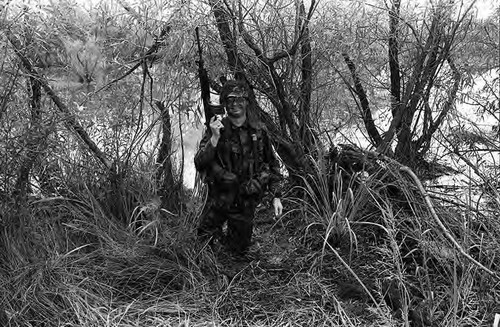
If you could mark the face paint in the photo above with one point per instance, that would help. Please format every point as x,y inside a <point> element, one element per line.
<point>236,104</point>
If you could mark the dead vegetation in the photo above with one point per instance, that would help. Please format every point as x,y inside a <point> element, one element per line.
<point>342,255</point>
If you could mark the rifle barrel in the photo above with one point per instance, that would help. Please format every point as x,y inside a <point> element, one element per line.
<point>197,30</point>
<point>204,81</point>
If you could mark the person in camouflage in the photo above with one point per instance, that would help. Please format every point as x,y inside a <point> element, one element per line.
<point>236,157</point>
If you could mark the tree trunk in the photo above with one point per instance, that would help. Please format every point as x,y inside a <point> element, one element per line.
<point>34,143</point>
<point>227,38</point>
<point>394,68</point>
<point>167,185</point>
<point>364,104</point>
<point>413,124</point>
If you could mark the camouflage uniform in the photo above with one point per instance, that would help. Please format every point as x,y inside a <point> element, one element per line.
<point>238,171</point>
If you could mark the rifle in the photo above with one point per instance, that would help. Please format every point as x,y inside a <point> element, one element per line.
<point>209,109</point>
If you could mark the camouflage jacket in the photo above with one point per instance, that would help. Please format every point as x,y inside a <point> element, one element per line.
<point>247,153</point>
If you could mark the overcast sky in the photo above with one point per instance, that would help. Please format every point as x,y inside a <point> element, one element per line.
<point>484,7</point>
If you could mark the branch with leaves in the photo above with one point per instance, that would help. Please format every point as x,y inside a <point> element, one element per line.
<point>69,118</point>
<point>143,60</point>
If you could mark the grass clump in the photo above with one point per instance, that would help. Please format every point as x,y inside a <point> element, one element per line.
<point>426,262</point>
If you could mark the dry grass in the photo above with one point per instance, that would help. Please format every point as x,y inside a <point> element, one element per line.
<point>359,256</point>
<point>398,248</point>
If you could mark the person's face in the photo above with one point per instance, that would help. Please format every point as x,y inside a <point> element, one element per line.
<point>236,105</point>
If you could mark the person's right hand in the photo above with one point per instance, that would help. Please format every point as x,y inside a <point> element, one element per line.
<point>251,187</point>
<point>215,125</point>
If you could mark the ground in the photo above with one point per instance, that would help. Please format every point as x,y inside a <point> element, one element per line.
<point>70,264</point>
<point>287,278</point>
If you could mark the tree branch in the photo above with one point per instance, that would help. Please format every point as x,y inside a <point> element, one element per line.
<point>228,42</point>
<point>70,119</point>
<point>284,109</point>
<point>305,26</point>
<point>373,133</point>
<point>425,139</point>
<point>306,79</point>
<point>394,56</point>
<point>149,54</point>
<point>443,228</point>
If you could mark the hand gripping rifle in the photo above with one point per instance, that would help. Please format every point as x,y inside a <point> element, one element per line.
<point>209,109</point>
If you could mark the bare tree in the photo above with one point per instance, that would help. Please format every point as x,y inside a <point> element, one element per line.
<point>423,88</point>
<point>275,58</point>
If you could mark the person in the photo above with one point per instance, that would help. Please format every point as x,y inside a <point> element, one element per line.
<point>237,159</point>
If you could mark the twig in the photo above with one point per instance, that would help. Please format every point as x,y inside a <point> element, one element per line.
<point>159,42</point>
<point>442,226</point>
<point>130,71</point>
<point>458,204</point>
<point>486,180</point>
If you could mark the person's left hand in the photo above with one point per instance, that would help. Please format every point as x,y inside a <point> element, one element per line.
<point>278,207</point>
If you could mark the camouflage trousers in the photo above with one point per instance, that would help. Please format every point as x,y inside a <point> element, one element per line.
<point>239,220</point>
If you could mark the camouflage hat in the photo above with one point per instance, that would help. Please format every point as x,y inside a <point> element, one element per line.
<point>234,88</point>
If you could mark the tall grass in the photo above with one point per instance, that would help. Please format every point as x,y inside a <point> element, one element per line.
<point>67,260</point>
<point>352,253</point>
<point>79,268</point>
<point>413,268</point>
